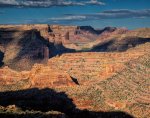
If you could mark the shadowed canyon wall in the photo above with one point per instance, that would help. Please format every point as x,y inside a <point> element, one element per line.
<point>30,44</point>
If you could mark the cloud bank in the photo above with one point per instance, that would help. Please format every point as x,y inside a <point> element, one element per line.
<point>48,3</point>
<point>104,15</point>
<point>124,13</point>
<point>109,14</point>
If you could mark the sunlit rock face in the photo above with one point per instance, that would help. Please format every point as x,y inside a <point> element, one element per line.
<point>29,44</point>
<point>95,69</point>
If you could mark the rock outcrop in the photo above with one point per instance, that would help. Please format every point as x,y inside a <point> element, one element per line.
<point>100,70</point>
<point>30,44</point>
<point>40,76</point>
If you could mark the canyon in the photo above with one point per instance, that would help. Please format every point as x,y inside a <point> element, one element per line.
<point>74,71</point>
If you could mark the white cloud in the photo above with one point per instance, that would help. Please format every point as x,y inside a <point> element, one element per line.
<point>47,3</point>
<point>95,2</point>
<point>9,2</point>
<point>68,18</point>
<point>123,13</point>
<point>110,14</point>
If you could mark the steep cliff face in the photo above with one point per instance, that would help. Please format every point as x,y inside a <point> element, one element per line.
<point>118,40</point>
<point>116,81</point>
<point>23,48</point>
<point>108,72</point>
<point>30,44</point>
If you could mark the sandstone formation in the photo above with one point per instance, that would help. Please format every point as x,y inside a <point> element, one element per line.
<point>40,76</point>
<point>30,44</point>
<point>76,71</point>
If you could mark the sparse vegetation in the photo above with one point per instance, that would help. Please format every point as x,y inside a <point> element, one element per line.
<point>96,81</point>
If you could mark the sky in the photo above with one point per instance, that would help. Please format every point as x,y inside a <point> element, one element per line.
<point>131,14</point>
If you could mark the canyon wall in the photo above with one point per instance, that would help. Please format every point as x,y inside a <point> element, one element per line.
<point>29,44</point>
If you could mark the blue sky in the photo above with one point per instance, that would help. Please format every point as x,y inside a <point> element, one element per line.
<point>97,13</point>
